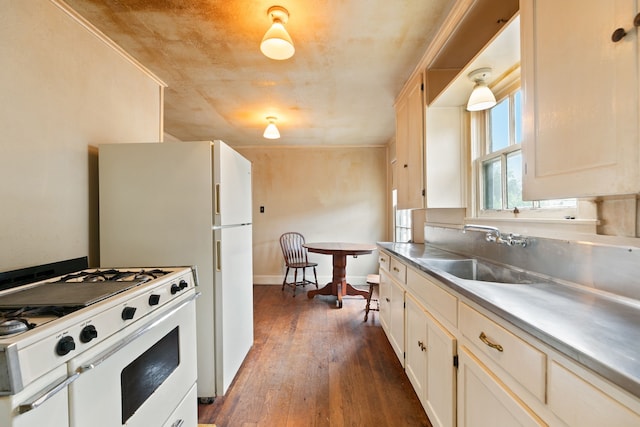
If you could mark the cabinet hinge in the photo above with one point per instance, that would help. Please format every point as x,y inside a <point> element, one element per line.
<point>423,193</point>
<point>455,361</point>
<point>422,87</point>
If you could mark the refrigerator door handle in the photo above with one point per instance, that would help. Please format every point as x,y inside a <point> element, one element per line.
<point>218,256</point>
<point>217,209</point>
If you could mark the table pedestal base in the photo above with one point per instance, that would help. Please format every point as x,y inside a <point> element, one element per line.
<point>338,286</point>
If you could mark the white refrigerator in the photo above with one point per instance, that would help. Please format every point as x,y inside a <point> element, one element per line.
<point>187,203</point>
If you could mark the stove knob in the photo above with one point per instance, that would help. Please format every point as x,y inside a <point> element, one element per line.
<point>128,313</point>
<point>65,345</point>
<point>88,333</point>
<point>175,288</point>
<point>183,284</point>
<point>154,299</point>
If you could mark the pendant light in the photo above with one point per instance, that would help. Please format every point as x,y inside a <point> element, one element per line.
<point>276,43</point>
<point>481,96</point>
<point>271,131</point>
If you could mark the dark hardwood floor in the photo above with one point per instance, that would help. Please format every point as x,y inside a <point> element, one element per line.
<point>315,365</point>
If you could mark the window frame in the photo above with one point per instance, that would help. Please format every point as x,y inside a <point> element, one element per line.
<point>480,144</point>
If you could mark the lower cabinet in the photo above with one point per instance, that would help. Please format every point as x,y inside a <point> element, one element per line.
<point>430,351</point>
<point>397,320</point>
<point>581,402</point>
<point>484,401</point>
<point>392,312</point>
<point>416,354</point>
<point>384,298</point>
<point>503,377</point>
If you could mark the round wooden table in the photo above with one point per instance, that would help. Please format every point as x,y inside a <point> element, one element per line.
<point>338,285</point>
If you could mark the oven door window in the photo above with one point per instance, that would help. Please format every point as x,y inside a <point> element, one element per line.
<point>145,374</point>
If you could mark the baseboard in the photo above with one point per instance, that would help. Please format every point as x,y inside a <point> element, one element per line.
<point>322,280</point>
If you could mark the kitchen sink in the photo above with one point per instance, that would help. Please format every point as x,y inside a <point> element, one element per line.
<point>473,269</point>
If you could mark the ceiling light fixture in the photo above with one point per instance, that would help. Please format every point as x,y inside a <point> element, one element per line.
<point>276,43</point>
<point>271,131</point>
<point>481,96</point>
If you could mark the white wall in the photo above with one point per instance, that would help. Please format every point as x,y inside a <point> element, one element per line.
<point>63,91</point>
<point>325,193</point>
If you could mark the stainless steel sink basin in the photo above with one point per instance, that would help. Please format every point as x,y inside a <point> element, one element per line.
<point>473,269</point>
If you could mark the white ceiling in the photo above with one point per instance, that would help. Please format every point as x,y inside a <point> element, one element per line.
<point>352,58</point>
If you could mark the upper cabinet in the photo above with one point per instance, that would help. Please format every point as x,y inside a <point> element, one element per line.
<point>432,126</point>
<point>480,34</point>
<point>409,145</point>
<point>581,97</point>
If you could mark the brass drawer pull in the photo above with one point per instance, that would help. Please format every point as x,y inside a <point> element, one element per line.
<point>422,346</point>
<point>396,269</point>
<point>485,340</point>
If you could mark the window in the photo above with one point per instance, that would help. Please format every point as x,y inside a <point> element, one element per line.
<point>402,221</point>
<point>499,164</point>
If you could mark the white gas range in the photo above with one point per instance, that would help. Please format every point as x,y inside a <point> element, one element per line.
<point>100,347</point>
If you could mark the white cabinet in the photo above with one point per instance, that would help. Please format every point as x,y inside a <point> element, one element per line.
<point>385,300</point>
<point>430,351</point>
<point>580,98</point>
<point>484,401</point>
<point>578,401</point>
<point>441,375</point>
<point>505,351</point>
<point>392,312</point>
<point>416,348</point>
<point>396,319</point>
<point>446,157</point>
<point>409,145</point>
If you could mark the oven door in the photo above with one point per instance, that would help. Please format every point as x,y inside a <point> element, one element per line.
<point>138,377</point>
<point>41,403</point>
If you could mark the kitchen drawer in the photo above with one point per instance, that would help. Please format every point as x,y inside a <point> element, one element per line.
<point>580,403</point>
<point>515,356</point>
<point>383,260</point>
<point>398,270</point>
<point>439,302</point>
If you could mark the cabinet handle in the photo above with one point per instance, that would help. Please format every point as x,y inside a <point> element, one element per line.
<point>406,165</point>
<point>485,340</point>
<point>396,269</point>
<point>620,33</point>
<point>387,298</point>
<point>422,346</point>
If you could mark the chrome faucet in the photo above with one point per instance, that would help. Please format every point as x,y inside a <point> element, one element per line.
<point>495,236</point>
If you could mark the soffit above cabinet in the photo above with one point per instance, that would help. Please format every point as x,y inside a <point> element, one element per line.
<point>501,54</point>
<point>475,30</point>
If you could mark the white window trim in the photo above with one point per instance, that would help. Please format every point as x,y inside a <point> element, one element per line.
<point>585,211</point>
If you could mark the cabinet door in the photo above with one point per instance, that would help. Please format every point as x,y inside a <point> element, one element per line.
<point>441,375</point>
<point>578,402</point>
<point>483,401</point>
<point>385,302</point>
<point>580,98</point>
<point>409,146</point>
<point>416,348</point>
<point>446,158</point>
<point>396,337</point>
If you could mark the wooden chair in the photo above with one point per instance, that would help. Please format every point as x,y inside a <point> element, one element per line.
<point>373,280</point>
<point>295,256</point>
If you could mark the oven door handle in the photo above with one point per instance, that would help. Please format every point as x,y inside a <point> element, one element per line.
<point>48,394</point>
<point>135,335</point>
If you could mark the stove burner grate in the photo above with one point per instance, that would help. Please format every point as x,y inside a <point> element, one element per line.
<point>14,326</point>
<point>113,275</point>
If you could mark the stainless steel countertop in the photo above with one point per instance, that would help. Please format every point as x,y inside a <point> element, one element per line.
<point>595,329</point>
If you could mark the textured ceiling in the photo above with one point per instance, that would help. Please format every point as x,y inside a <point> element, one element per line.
<point>352,58</point>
